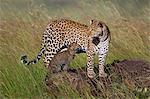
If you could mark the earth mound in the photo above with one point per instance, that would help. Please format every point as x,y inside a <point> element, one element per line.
<point>131,73</point>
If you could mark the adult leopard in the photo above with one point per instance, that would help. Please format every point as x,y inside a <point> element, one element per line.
<point>93,39</point>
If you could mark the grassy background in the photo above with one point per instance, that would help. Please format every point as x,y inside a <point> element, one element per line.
<point>22,23</point>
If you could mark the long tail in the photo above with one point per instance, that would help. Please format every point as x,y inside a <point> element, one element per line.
<point>25,61</point>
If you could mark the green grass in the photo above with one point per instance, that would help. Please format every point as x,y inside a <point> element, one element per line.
<point>23,22</point>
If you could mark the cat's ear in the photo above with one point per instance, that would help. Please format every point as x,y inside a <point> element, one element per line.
<point>91,22</point>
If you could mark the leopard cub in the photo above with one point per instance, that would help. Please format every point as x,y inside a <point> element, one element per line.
<point>62,59</point>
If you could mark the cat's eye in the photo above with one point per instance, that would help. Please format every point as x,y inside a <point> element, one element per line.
<point>99,24</point>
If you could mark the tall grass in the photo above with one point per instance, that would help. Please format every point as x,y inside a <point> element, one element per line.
<point>22,24</point>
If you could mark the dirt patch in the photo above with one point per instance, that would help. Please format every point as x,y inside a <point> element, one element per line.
<point>135,71</point>
<point>131,73</point>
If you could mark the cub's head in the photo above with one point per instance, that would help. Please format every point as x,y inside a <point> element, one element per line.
<point>99,31</point>
<point>72,48</point>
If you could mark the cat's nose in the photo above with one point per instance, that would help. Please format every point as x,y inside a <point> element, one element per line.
<point>80,50</point>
